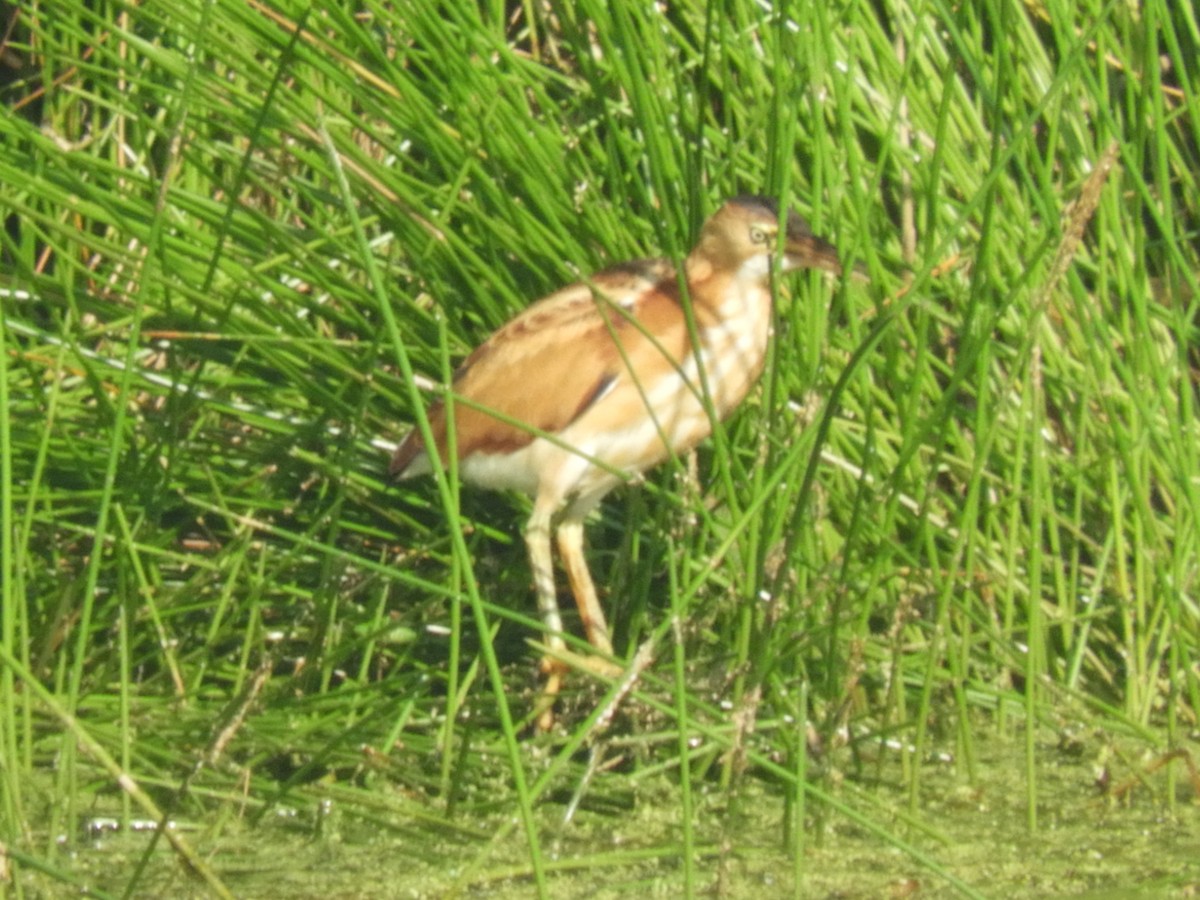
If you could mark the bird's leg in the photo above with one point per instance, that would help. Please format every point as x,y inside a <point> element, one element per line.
<point>537,539</point>
<point>570,545</point>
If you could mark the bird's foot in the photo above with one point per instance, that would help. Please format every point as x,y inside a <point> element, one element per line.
<point>556,663</point>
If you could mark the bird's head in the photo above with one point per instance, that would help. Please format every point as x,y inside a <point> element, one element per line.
<point>741,238</point>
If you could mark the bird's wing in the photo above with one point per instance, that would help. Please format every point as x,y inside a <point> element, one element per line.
<point>545,367</point>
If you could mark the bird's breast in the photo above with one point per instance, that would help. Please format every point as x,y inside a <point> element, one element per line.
<point>663,404</point>
<point>733,343</point>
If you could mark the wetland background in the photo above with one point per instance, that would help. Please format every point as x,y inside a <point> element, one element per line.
<point>921,619</point>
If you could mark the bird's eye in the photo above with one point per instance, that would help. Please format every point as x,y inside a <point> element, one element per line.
<point>758,234</point>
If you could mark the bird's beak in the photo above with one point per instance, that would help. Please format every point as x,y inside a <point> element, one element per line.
<point>804,250</point>
<point>807,251</point>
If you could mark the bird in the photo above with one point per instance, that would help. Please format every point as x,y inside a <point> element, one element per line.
<point>601,380</point>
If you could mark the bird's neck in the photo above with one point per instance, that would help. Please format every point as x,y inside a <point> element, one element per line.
<point>726,290</point>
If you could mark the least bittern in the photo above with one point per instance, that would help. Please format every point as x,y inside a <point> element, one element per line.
<point>606,378</point>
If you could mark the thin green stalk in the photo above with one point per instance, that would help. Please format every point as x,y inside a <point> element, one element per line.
<point>683,730</point>
<point>10,706</point>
